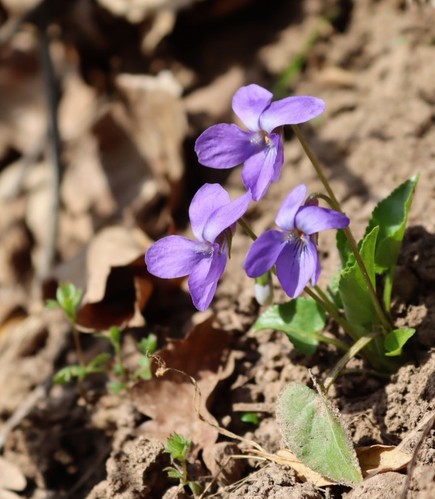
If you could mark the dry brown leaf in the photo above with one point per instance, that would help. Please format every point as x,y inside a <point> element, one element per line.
<point>286,457</point>
<point>373,460</point>
<point>170,400</point>
<point>11,476</point>
<point>119,285</point>
<point>154,118</point>
<point>23,117</point>
<point>381,458</point>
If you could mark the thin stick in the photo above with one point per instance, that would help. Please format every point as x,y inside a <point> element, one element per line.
<point>49,251</point>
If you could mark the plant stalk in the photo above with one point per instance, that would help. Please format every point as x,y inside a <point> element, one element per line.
<point>348,233</point>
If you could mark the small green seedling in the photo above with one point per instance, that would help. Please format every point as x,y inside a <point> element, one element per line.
<point>147,346</point>
<point>250,417</point>
<point>178,447</point>
<point>97,365</point>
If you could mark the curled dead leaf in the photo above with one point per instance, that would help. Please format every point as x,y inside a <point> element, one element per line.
<point>119,285</point>
<point>381,458</point>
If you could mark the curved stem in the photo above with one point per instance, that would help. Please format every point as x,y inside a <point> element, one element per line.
<point>333,312</point>
<point>353,350</point>
<point>341,345</point>
<point>347,232</point>
<point>245,226</point>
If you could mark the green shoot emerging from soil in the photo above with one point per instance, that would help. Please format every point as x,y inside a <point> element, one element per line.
<point>178,448</point>
<point>112,364</point>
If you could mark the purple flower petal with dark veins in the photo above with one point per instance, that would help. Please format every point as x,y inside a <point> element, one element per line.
<point>293,249</point>
<point>224,146</point>
<point>259,148</point>
<point>212,215</point>
<point>295,266</point>
<point>264,252</point>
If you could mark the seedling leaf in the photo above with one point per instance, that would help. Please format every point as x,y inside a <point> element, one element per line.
<point>300,319</point>
<point>68,297</point>
<point>391,215</point>
<point>314,432</point>
<point>178,446</point>
<point>356,300</point>
<point>396,339</point>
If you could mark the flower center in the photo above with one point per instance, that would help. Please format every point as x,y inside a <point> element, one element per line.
<point>295,236</point>
<point>261,139</point>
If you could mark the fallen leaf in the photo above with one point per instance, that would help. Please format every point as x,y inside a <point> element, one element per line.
<point>155,119</point>
<point>381,458</point>
<point>170,400</point>
<point>119,284</point>
<point>286,457</point>
<point>373,460</point>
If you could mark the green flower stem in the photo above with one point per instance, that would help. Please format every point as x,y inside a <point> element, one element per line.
<point>317,167</point>
<point>325,297</point>
<point>341,345</point>
<point>332,310</point>
<point>349,236</point>
<point>245,226</point>
<point>352,351</point>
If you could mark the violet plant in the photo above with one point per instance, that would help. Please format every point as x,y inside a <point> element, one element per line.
<point>358,298</point>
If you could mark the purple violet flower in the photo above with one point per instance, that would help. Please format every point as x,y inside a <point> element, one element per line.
<point>212,216</point>
<point>260,148</point>
<point>293,248</point>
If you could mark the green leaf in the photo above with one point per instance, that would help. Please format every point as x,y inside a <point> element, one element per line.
<point>344,249</point>
<point>144,371</point>
<point>173,472</point>
<point>195,487</point>
<point>98,363</point>
<point>178,446</point>
<point>148,345</point>
<point>115,338</point>
<point>300,319</point>
<point>116,387</point>
<point>68,373</point>
<point>313,431</point>
<point>391,215</point>
<point>355,297</point>
<point>250,417</point>
<point>68,297</point>
<point>396,339</point>
<point>52,304</point>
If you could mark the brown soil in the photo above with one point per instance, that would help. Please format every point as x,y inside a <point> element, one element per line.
<point>373,65</point>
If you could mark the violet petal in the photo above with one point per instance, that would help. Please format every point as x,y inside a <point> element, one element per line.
<point>312,219</point>
<point>291,111</point>
<point>174,256</point>
<point>248,104</point>
<point>258,171</point>
<point>204,279</point>
<point>205,202</point>
<point>264,252</point>
<point>295,266</point>
<point>292,203</point>
<point>224,146</point>
<point>224,216</point>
